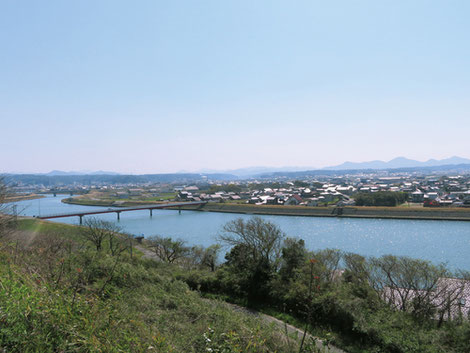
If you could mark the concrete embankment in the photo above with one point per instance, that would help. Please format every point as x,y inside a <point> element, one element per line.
<point>451,214</point>
<point>448,214</point>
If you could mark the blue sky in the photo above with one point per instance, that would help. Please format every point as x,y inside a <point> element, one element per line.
<point>162,86</point>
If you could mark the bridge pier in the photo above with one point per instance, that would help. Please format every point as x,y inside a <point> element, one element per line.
<point>80,215</point>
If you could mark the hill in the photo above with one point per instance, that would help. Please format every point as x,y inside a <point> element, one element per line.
<point>58,294</point>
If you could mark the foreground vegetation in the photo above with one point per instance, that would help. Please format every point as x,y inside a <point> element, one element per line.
<point>60,292</point>
<point>89,289</point>
<point>340,294</point>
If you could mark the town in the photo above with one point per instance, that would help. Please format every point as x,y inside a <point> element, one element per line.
<point>360,189</point>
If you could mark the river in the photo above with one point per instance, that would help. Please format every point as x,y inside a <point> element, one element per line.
<point>437,241</point>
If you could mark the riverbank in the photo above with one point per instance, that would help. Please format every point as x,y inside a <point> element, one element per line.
<point>414,213</point>
<point>346,212</point>
<point>17,198</point>
<point>108,203</point>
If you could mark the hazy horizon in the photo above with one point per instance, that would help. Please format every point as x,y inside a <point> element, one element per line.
<point>158,87</point>
<point>214,170</point>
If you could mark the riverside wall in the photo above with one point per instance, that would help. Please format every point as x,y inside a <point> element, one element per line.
<point>453,214</point>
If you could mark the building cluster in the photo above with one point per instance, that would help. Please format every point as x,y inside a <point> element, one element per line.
<point>287,195</point>
<point>428,191</point>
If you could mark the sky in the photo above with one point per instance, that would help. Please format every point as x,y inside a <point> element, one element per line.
<point>165,86</point>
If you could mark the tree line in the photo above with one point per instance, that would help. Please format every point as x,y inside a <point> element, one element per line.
<point>381,198</point>
<point>390,303</point>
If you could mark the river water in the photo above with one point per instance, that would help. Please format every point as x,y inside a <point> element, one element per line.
<point>437,241</point>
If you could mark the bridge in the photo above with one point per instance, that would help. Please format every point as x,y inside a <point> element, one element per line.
<point>125,209</point>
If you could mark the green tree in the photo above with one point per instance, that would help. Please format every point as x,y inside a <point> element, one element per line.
<point>255,254</point>
<point>300,183</point>
<point>293,257</point>
<point>381,198</point>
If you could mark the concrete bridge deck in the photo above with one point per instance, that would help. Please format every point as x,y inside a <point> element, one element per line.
<point>123,209</point>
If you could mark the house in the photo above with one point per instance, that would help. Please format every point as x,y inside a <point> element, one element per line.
<point>122,195</point>
<point>307,192</point>
<point>417,196</point>
<point>327,196</point>
<point>313,201</point>
<point>346,202</point>
<point>184,195</point>
<point>272,200</point>
<point>135,192</point>
<point>346,190</point>
<point>254,200</point>
<point>466,197</point>
<point>293,200</point>
<point>215,197</point>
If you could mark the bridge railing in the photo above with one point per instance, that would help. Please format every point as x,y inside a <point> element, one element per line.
<point>123,209</point>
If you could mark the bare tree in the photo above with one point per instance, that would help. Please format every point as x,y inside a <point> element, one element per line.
<point>205,257</point>
<point>7,219</point>
<point>98,231</point>
<point>329,260</point>
<point>416,286</point>
<point>167,249</point>
<point>262,238</point>
<point>255,256</point>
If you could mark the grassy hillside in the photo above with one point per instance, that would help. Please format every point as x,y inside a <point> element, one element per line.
<point>66,288</point>
<point>59,294</point>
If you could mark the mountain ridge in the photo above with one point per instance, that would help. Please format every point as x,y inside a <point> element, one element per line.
<point>399,162</point>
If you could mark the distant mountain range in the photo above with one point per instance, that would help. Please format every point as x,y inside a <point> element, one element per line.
<point>396,163</point>
<point>399,162</point>
<point>242,173</point>
<point>84,172</point>
<point>251,171</point>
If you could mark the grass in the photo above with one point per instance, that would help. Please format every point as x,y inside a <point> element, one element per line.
<point>57,293</point>
<point>41,227</point>
<point>163,196</point>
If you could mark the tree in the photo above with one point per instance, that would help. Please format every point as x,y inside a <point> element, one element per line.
<point>7,220</point>
<point>206,257</point>
<point>414,286</point>
<point>255,255</point>
<point>300,183</point>
<point>167,249</point>
<point>356,268</point>
<point>381,198</point>
<point>328,261</point>
<point>293,257</point>
<point>262,238</point>
<point>97,231</point>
